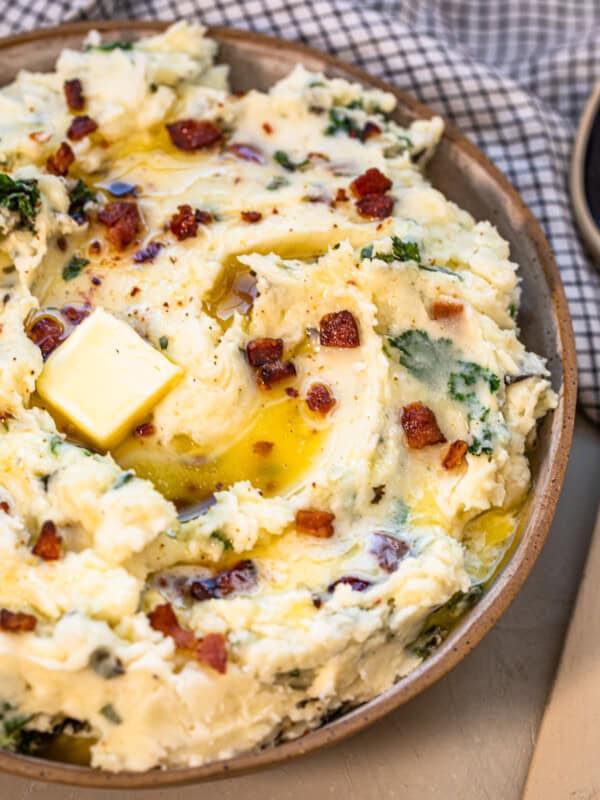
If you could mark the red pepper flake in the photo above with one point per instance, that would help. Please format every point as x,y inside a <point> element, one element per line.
<point>212,650</point>
<point>183,223</point>
<point>251,216</point>
<point>267,128</point>
<point>263,448</point>
<point>388,550</point>
<point>455,456</point>
<point>48,544</point>
<point>75,314</point>
<point>58,163</point>
<point>357,584</point>
<point>446,309</point>
<point>339,329</point>
<point>74,94</point>
<point>376,206</point>
<point>319,398</point>
<point>420,426</point>
<point>369,130</point>
<point>81,127</point>
<point>148,253</point>
<point>241,577</point>
<point>246,152</point>
<point>291,392</point>
<point>370,182</point>
<point>123,222</point>
<point>315,523</point>
<point>274,372</point>
<point>264,351</point>
<point>145,429</point>
<point>193,134</point>
<point>16,621</point>
<point>47,332</point>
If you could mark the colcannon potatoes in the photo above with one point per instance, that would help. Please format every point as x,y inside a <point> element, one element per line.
<point>264,409</point>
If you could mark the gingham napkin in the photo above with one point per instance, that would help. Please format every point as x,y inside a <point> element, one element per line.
<point>512,74</point>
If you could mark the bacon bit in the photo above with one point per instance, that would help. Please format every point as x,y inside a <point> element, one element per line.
<point>378,206</point>
<point>274,372</point>
<point>339,329</point>
<point>96,281</point>
<point>145,429</point>
<point>246,152</point>
<point>4,506</point>
<point>75,314</point>
<point>212,651</point>
<point>251,216</point>
<point>264,351</point>
<point>262,448</point>
<point>357,584</point>
<point>370,129</point>
<point>267,128</point>
<point>134,291</point>
<point>291,392</point>
<point>48,544</point>
<point>164,619</point>
<point>444,309</point>
<point>59,162</point>
<point>16,622</point>
<point>319,399</point>
<point>242,577</point>
<point>370,182</point>
<point>148,253</point>
<point>455,455</point>
<point>74,94</point>
<point>123,222</point>
<point>184,224</point>
<point>315,523</point>
<point>81,127</point>
<point>40,137</point>
<point>341,196</point>
<point>420,426</point>
<point>193,134</point>
<point>47,332</point>
<point>388,551</point>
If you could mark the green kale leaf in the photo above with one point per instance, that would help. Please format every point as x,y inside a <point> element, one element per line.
<point>20,196</point>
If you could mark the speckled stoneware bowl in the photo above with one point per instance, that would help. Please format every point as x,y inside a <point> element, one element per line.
<point>462,173</point>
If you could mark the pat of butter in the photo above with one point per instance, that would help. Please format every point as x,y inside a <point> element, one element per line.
<point>105,378</point>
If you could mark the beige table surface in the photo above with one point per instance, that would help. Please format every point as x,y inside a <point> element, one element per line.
<point>471,736</point>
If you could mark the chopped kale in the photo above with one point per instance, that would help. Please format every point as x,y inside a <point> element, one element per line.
<point>512,310</point>
<point>282,158</point>
<point>423,356</point>
<point>341,123</point>
<point>277,182</point>
<point>445,270</point>
<point>111,714</point>
<point>11,726</point>
<point>54,443</point>
<point>358,103</point>
<point>21,197</point>
<point>108,47</point>
<point>441,621</point>
<point>482,446</point>
<point>220,537</point>
<point>461,384</point>
<point>74,267</point>
<point>428,641</point>
<point>106,664</point>
<point>367,252</point>
<point>79,195</point>
<point>163,342</point>
<point>123,478</point>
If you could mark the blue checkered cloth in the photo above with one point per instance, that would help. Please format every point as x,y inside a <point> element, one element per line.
<point>513,75</point>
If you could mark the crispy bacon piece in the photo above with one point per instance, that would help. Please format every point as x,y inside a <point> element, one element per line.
<point>148,253</point>
<point>123,222</point>
<point>145,429</point>
<point>16,621</point>
<point>388,551</point>
<point>264,351</point>
<point>370,182</point>
<point>369,130</point>
<point>212,650</point>
<point>193,134</point>
<point>274,372</point>
<point>251,216</point>
<point>47,332</point>
<point>319,399</point>
<point>58,163</point>
<point>420,426</point>
<point>81,127</point>
<point>75,314</point>
<point>184,224</point>
<point>246,152</point>
<point>74,94</point>
<point>378,206</point>
<point>4,506</point>
<point>315,523</point>
<point>339,329</point>
<point>446,309</point>
<point>48,544</point>
<point>242,577</point>
<point>164,619</point>
<point>262,448</point>
<point>455,455</point>
<point>291,392</point>
<point>357,584</point>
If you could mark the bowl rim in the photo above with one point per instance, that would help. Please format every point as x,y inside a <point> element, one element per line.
<point>496,600</point>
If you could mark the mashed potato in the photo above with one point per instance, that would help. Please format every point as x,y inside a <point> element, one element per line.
<point>346,442</point>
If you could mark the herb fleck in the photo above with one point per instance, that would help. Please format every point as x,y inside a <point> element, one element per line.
<point>111,714</point>
<point>20,196</point>
<point>285,161</point>
<point>277,182</point>
<point>106,664</point>
<point>223,539</point>
<point>163,342</point>
<point>123,478</point>
<point>74,267</point>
